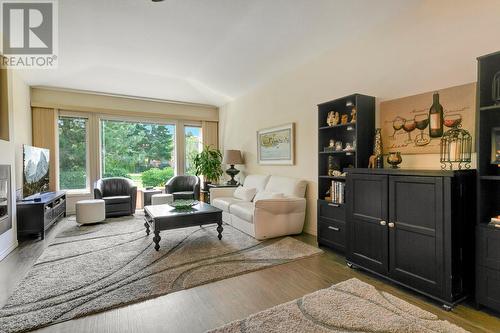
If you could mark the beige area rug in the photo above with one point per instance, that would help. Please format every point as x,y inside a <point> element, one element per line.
<point>88,269</point>
<point>349,306</point>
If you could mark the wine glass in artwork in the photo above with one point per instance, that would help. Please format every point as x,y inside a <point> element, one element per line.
<point>397,124</point>
<point>452,120</point>
<point>409,126</point>
<point>421,122</point>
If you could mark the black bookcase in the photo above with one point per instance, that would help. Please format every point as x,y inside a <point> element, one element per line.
<point>331,216</point>
<point>488,186</point>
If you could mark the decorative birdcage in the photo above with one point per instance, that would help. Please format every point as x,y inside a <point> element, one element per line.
<point>456,149</point>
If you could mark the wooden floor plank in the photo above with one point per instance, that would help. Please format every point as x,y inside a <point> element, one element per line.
<point>214,304</point>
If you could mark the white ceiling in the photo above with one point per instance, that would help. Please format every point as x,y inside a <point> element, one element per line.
<point>201,51</point>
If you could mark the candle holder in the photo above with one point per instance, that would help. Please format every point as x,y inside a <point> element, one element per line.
<point>456,148</point>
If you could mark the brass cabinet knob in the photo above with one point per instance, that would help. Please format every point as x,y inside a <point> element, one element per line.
<point>383,223</point>
<point>391,224</point>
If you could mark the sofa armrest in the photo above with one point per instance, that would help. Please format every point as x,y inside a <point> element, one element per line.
<point>219,192</point>
<point>98,192</point>
<point>282,206</point>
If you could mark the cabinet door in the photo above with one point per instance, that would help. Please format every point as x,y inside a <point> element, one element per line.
<point>416,232</point>
<point>366,221</point>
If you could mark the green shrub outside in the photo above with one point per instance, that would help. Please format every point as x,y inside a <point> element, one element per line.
<point>116,172</point>
<point>156,177</point>
<point>70,180</point>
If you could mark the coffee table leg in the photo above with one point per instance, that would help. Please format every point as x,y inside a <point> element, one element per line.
<point>146,224</point>
<point>219,229</point>
<point>157,239</point>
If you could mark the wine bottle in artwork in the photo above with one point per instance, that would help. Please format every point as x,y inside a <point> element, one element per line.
<point>436,118</point>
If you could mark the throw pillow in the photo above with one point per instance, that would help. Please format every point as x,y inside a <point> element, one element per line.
<point>245,193</point>
<point>263,195</point>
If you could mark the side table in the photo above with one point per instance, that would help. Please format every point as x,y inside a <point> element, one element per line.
<point>206,192</point>
<point>147,194</point>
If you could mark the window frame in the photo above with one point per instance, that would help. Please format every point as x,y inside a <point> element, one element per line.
<point>190,124</point>
<point>143,120</point>
<point>88,173</point>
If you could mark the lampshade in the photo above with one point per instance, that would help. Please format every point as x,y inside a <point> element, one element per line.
<point>232,157</point>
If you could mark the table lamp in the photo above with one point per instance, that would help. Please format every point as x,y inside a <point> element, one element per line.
<point>232,157</point>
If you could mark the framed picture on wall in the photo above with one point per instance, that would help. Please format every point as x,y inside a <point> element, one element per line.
<point>276,145</point>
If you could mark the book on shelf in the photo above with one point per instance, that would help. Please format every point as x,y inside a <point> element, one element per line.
<point>337,192</point>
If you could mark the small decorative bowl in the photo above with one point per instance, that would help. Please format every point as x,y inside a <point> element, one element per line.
<point>394,159</point>
<point>183,204</point>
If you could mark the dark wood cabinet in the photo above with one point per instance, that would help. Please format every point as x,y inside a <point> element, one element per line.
<point>488,186</point>
<point>416,245</point>
<point>331,225</point>
<point>359,134</point>
<point>34,217</point>
<point>367,214</point>
<point>488,266</point>
<point>412,228</point>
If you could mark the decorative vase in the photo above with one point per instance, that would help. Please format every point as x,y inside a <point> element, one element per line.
<point>377,149</point>
<point>394,159</point>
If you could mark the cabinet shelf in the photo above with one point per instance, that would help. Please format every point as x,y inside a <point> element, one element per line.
<point>332,177</point>
<point>490,107</point>
<point>489,177</point>
<point>346,126</point>
<point>347,152</point>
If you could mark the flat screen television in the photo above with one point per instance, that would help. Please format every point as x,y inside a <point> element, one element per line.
<point>36,170</point>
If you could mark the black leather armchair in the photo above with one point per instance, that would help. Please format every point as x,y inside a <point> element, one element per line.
<point>184,187</point>
<point>119,195</point>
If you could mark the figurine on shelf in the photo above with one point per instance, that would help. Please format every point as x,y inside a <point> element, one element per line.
<point>333,166</point>
<point>344,119</point>
<point>353,115</point>
<point>348,146</point>
<point>333,118</point>
<point>330,165</point>
<point>336,173</point>
<point>338,146</point>
<point>331,146</point>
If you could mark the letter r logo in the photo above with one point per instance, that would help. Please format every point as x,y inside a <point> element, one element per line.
<point>27,27</point>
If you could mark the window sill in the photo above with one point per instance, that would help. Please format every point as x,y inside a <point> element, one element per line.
<point>78,193</point>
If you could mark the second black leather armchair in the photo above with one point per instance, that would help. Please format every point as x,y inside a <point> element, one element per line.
<point>184,187</point>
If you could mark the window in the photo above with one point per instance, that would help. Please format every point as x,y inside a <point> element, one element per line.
<point>193,144</point>
<point>143,152</point>
<point>73,171</point>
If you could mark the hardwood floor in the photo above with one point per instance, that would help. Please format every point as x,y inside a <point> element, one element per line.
<point>212,305</point>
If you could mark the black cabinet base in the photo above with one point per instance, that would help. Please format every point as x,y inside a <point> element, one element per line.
<point>35,217</point>
<point>448,306</point>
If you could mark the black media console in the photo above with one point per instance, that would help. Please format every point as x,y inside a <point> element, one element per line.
<point>35,217</point>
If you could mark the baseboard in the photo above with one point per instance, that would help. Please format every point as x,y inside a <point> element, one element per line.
<point>8,250</point>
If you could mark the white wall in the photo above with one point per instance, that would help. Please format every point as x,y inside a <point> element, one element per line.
<point>432,47</point>
<point>11,151</point>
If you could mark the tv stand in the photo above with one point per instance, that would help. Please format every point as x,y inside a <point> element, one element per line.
<point>35,217</point>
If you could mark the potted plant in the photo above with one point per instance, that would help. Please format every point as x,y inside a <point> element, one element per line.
<point>209,164</point>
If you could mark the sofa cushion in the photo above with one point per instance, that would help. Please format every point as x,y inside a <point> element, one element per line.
<point>256,181</point>
<point>118,199</point>
<point>245,193</point>
<point>243,209</point>
<point>290,187</point>
<point>224,203</point>
<point>184,195</point>
<point>264,195</point>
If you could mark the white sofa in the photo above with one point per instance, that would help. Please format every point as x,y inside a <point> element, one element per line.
<point>264,218</point>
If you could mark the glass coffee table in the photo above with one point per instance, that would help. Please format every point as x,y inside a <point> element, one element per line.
<point>165,217</point>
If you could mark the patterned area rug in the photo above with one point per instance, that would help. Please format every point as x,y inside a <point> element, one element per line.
<point>89,269</point>
<point>349,306</point>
